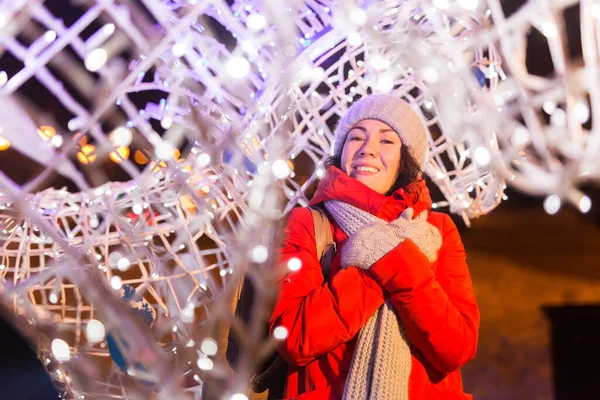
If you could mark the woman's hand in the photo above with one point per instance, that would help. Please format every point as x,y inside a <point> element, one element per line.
<point>426,236</point>
<point>373,241</point>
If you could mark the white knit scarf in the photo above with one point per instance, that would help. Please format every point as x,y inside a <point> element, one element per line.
<point>381,363</point>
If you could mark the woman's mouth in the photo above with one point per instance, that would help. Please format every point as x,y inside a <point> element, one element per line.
<point>365,170</point>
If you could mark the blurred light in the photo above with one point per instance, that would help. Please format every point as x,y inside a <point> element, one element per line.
<point>280,333</point>
<point>549,107</point>
<point>585,204</point>
<point>137,208</point>
<point>256,22</point>
<point>354,39</point>
<point>120,154</point>
<point>430,75</point>
<point>57,141</point>
<point>87,155</point>
<point>53,298</point>
<point>179,48</point>
<point>123,264</point>
<point>74,124</point>
<point>166,122</point>
<point>259,254</point>
<point>164,151</point>
<point>582,111</point>
<point>596,11</point>
<point>3,78</point>
<point>96,59</point>
<point>4,143</point>
<point>239,396</point>
<point>205,363</point>
<point>468,4</point>
<point>552,204</point>
<point>237,67</point>
<point>520,137</point>
<point>95,331</point>
<point>358,16</point>
<point>481,155</point>
<point>209,347</point>
<point>121,136</point>
<point>281,169</point>
<point>46,132</point>
<point>378,63</point>
<point>384,84</point>
<point>294,264</point>
<point>320,173</point>
<point>116,282</point>
<point>140,157</point>
<point>202,160</point>
<point>60,350</point>
<point>50,36</point>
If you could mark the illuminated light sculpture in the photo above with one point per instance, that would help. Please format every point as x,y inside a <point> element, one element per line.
<point>249,101</point>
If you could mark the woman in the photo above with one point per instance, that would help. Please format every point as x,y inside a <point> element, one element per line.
<point>397,316</point>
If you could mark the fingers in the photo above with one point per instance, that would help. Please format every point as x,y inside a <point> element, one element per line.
<point>422,216</point>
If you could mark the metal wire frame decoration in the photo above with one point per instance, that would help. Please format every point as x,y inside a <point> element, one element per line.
<point>249,101</point>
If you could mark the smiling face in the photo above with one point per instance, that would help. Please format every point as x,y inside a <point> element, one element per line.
<point>371,154</point>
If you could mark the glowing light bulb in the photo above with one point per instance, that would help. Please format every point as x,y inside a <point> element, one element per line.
<point>164,151</point>
<point>116,282</point>
<point>121,136</point>
<point>237,67</point>
<point>123,264</point>
<point>384,84</point>
<point>179,48</point>
<point>53,298</point>
<point>256,22</point>
<point>294,264</point>
<point>202,160</point>
<point>582,111</point>
<point>209,347</point>
<point>60,350</point>
<point>205,363</point>
<point>358,16</point>
<point>481,155</point>
<point>50,36</point>
<point>96,59</point>
<point>430,75</point>
<point>552,204</point>
<point>585,204</point>
<point>4,143</point>
<point>280,333</point>
<point>520,137</point>
<point>558,117</point>
<point>281,169</point>
<point>259,254</point>
<point>57,141</point>
<point>95,331</point>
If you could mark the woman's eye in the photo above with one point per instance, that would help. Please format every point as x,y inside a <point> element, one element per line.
<point>356,138</point>
<point>387,141</point>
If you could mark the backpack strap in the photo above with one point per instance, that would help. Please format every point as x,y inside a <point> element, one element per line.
<point>324,240</point>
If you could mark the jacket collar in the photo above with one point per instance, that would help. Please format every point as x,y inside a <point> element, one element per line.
<point>336,185</point>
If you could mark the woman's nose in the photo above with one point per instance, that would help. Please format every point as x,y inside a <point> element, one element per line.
<point>369,148</point>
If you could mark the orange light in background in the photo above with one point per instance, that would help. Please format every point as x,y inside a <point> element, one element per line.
<point>87,154</point>
<point>176,153</point>
<point>4,143</point>
<point>188,203</point>
<point>121,153</point>
<point>141,157</point>
<point>46,132</point>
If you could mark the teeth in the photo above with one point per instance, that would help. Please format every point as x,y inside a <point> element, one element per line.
<point>367,169</point>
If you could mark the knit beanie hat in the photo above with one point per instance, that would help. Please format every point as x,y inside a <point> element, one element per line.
<point>392,111</point>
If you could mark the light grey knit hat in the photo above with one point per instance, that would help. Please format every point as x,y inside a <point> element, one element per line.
<point>394,112</point>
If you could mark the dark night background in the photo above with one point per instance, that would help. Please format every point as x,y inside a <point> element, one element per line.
<point>536,277</point>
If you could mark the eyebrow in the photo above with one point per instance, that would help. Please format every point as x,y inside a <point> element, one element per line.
<point>360,128</point>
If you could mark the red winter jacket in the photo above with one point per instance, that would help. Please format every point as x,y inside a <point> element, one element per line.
<point>434,301</point>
